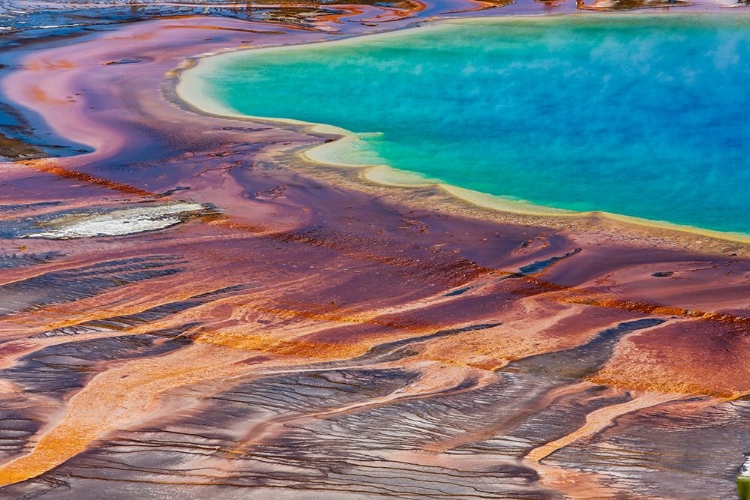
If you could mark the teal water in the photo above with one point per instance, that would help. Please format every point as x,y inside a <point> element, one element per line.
<point>647,116</point>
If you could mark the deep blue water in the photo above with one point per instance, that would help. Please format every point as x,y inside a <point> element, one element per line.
<point>644,115</point>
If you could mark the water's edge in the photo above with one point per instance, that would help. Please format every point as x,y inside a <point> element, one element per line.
<point>189,89</point>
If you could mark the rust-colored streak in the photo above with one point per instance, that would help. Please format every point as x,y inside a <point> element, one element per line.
<point>47,65</point>
<point>119,396</point>
<point>575,295</point>
<point>271,345</point>
<point>39,95</point>
<point>49,167</point>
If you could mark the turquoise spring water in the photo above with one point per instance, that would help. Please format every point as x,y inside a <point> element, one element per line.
<point>646,115</point>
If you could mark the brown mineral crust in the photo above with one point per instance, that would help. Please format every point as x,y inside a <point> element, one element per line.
<point>532,327</point>
<point>688,356</point>
<point>705,283</point>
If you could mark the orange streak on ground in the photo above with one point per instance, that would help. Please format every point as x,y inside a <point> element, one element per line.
<point>37,94</point>
<point>50,167</point>
<point>648,308</point>
<point>493,348</point>
<point>271,345</point>
<point>218,28</point>
<point>598,420</point>
<point>120,397</point>
<point>46,65</point>
<point>63,64</point>
<point>487,349</point>
<point>672,358</point>
<point>234,332</point>
<point>60,64</point>
<point>579,485</point>
<point>337,317</point>
<point>577,295</point>
<point>230,223</point>
<point>663,378</point>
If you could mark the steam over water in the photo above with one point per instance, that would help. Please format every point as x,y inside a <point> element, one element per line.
<point>641,115</point>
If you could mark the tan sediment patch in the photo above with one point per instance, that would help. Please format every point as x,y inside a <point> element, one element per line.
<point>583,296</point>
<point>598,420</point>
<point>493,348</point>
<point>285,330</point>
<point>120,397</point>
<point>269,344</point>
<point>682,358</point>
<point>37,94</point>
<point>47,65</point>
<point>583,485</point>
